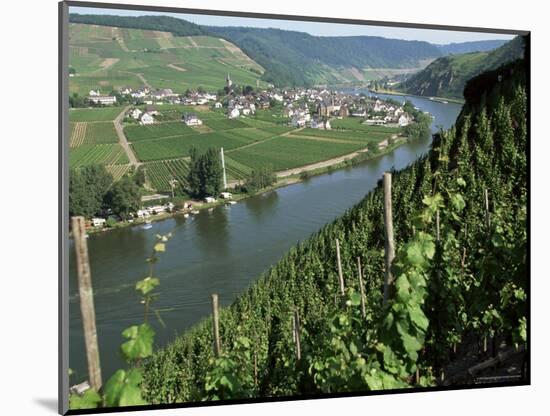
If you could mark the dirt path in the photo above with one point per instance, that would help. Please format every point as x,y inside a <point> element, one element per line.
<point>264,140</point>
<point>122,138</point>
<point>142,79</point>
<point>319,165</point>
<point>177,68</point>
<point>106,64</point>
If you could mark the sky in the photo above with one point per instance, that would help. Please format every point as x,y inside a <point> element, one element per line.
<point>315,28</point>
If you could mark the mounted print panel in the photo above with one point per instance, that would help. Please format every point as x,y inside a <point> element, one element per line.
<point>264,208</point>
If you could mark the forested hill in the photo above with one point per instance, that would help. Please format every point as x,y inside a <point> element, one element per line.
<point>297,57</point>
<point>475,46</point>
<point>447,76</point>
<point>460,278</point>
<point>178,27</point>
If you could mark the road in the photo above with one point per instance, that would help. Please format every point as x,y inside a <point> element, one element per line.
<point>122,138</point>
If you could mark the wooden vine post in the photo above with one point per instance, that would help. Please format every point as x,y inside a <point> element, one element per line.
<point>361,288</point>
<point>437,235</point>
<point>216,325</point>
<point>86,301</point>
<point>388,234</point>
<point>296,334</point>
<point>487,215</point>
<point>340,275</point>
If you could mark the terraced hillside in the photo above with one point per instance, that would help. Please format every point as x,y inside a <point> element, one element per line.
<point>112,57</point>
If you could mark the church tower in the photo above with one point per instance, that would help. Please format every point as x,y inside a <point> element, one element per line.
<point>228,81</point>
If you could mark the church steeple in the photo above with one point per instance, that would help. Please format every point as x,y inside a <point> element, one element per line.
<point>228,81</point>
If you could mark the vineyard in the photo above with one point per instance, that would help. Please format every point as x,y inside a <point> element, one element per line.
<point>160,173</point>
<point>156,131</point>
<point>322,320</point>
<point>117,171</point>
<point>94,114</point>
<point>103,154</point>
<point>287,152</point>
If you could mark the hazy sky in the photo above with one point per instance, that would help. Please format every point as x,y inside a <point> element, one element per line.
<point>315,28</point>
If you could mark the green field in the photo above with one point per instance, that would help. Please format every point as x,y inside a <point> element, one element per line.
<point>177,147</point>
<point>356,123</point>
<point>342,135</point>
<point>102,154</point>
<point>111,57</point>
<point>94,114</point>
<point>224,124</point>
<point>137,133</point>
<point>288,152</point>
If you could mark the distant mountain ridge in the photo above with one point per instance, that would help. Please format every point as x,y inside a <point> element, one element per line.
<point>174,25</point>
<point>447,76</point>
<point>467,47</point>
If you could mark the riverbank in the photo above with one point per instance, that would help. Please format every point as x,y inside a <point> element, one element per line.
<point>443,100</point>
<point>283,179</point>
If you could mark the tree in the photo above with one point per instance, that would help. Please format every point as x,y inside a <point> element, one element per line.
<point>205,173</point>
<point>259,179</point>
<point>124,197</point>
<point>88,187</point>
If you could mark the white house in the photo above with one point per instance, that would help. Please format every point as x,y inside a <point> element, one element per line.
<point>135,113</point>
<point>202,101</point>
<point>298,121</point>
<point>218,105</point>
<point>94,93</point>
<point>191,119</point>
<point>146,118</point>
<point>404,120</point>
<point>234,113</point>
<point>226,195</point>
<point>320,124</point>
<point>246,111</point>
<point>209,199</point>
<point>102,99</point>
<point>98,222</point>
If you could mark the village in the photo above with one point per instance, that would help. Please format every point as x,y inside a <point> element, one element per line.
<point>304,107</point>
<point>298,108</point>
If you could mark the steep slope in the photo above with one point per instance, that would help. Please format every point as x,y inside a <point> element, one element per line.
<point>467,47</point>
<point>454,289</point>
<point>109,57</point>
<point>447,76</point>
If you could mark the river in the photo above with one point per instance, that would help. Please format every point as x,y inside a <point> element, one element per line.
<point>222,251</point>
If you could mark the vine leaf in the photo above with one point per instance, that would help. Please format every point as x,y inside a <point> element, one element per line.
<point>123,389</point>
<point>140,344</point>
<point>147,285</point>
<point>89,400</point>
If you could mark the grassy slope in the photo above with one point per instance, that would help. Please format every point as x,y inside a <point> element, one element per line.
<point>110,57</point>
